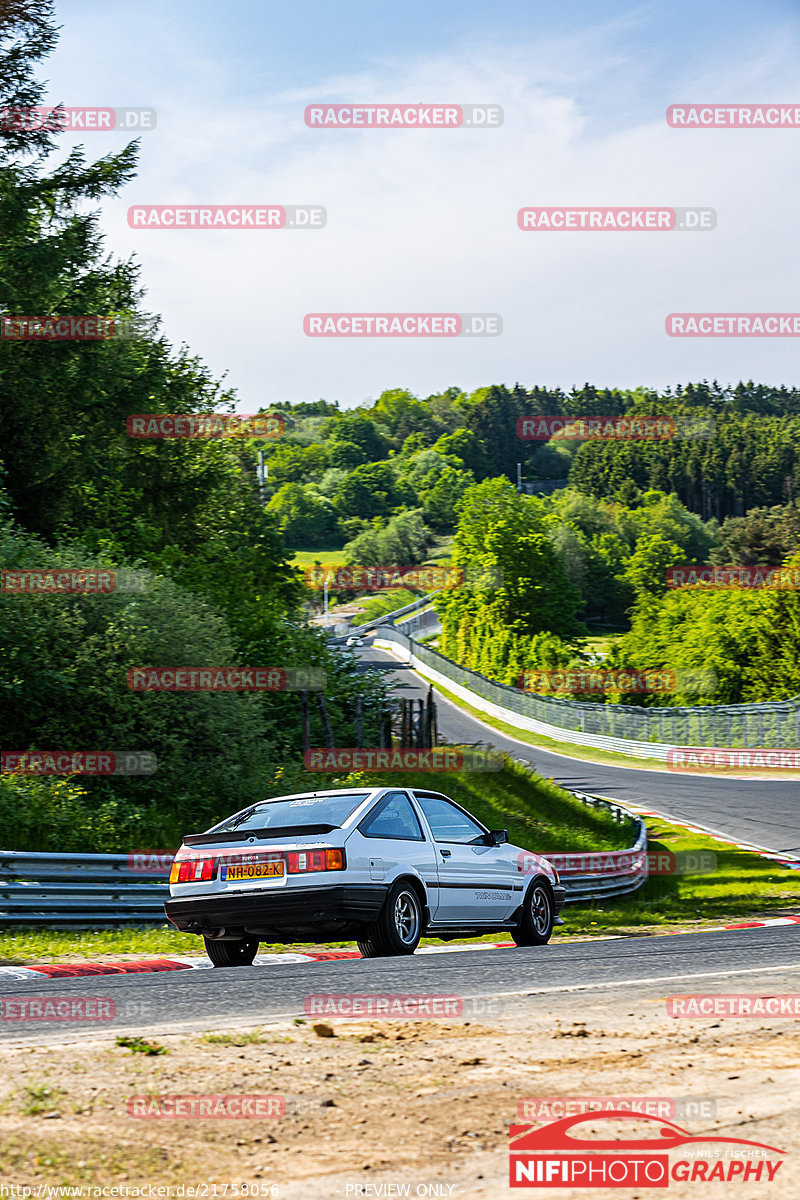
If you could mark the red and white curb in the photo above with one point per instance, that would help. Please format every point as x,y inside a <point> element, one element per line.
<point>143,966</point>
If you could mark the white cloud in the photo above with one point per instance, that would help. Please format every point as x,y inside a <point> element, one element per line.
<point>426,221</point>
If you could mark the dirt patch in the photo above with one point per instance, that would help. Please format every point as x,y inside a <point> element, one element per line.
<point>421,1103</point>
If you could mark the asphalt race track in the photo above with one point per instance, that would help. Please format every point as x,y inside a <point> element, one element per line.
<point>648,968</point>
<point>763,813</point>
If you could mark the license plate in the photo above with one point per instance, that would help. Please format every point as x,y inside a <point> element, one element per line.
<point>262,870</point>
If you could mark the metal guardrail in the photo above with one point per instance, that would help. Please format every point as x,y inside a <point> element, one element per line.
<point>629,729</point>
<point>79,891</point>
<point>91,891</point>
<point>425,622</point>
<point>623,871</point>
<point>390,618</point>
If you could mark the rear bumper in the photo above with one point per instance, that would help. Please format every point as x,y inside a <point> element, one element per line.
<point>559,899</point>
<point>342,908</point>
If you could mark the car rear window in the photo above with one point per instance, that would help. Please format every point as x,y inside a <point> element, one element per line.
<point>295,812</point>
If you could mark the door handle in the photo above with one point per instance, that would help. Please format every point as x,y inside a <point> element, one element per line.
<point>445,853</point>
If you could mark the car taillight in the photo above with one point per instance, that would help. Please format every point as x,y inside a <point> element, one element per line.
<point>193,870</point>
<point>557,876</point>
<point>329,859</point>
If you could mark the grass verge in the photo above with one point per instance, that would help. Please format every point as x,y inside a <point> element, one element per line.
<point>743,886</point>
<point>327,557</point>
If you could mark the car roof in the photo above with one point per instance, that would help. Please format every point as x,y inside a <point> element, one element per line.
<point>364,788</point>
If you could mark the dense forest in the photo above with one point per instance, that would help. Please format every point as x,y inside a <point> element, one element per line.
<point>336,474</point>
<point>582,532</point>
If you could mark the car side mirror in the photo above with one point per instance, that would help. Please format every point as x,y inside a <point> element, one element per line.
<point>498,837</point>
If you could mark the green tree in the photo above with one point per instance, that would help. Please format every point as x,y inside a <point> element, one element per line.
<point>292,463</point>
<point>646,569</point>
<point>403,414</point>
<point>513,572</point>
<point>773,670</point>
<point>765,535</point>
<point>360,430</point>
<point>440,501</point>
<point>305,517</point>
<point>346,455</point>
<point>464,444</point>
<point>402,541</point>
<point>492,416</point>
<point>187,510</point>
<point>368,491</point>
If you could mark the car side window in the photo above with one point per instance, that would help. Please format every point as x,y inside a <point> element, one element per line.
<point>450,824</point>
<point>393,818</point>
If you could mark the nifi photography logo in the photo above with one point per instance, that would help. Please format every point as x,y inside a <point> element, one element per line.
<point>658,1154</point>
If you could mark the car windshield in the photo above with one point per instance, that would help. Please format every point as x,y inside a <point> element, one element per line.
<point>295,812</point>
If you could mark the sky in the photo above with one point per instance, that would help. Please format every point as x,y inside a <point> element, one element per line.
<point>425,220</point>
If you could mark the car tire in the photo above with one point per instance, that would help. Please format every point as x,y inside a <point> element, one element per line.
<point>231,954</point>
<point>537,916</point>
<point>399,926</point>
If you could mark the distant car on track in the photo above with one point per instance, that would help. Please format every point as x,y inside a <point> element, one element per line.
<point>354,641</point>
<point>382,865</point>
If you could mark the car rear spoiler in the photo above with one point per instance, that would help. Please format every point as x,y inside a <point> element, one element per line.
<point>241,835</point>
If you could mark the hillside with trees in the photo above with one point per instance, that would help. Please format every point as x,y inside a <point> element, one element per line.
<point>184,515</point>
<point>586,544</point>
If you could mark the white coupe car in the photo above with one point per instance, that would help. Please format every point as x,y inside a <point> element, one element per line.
<point>383,865</point>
